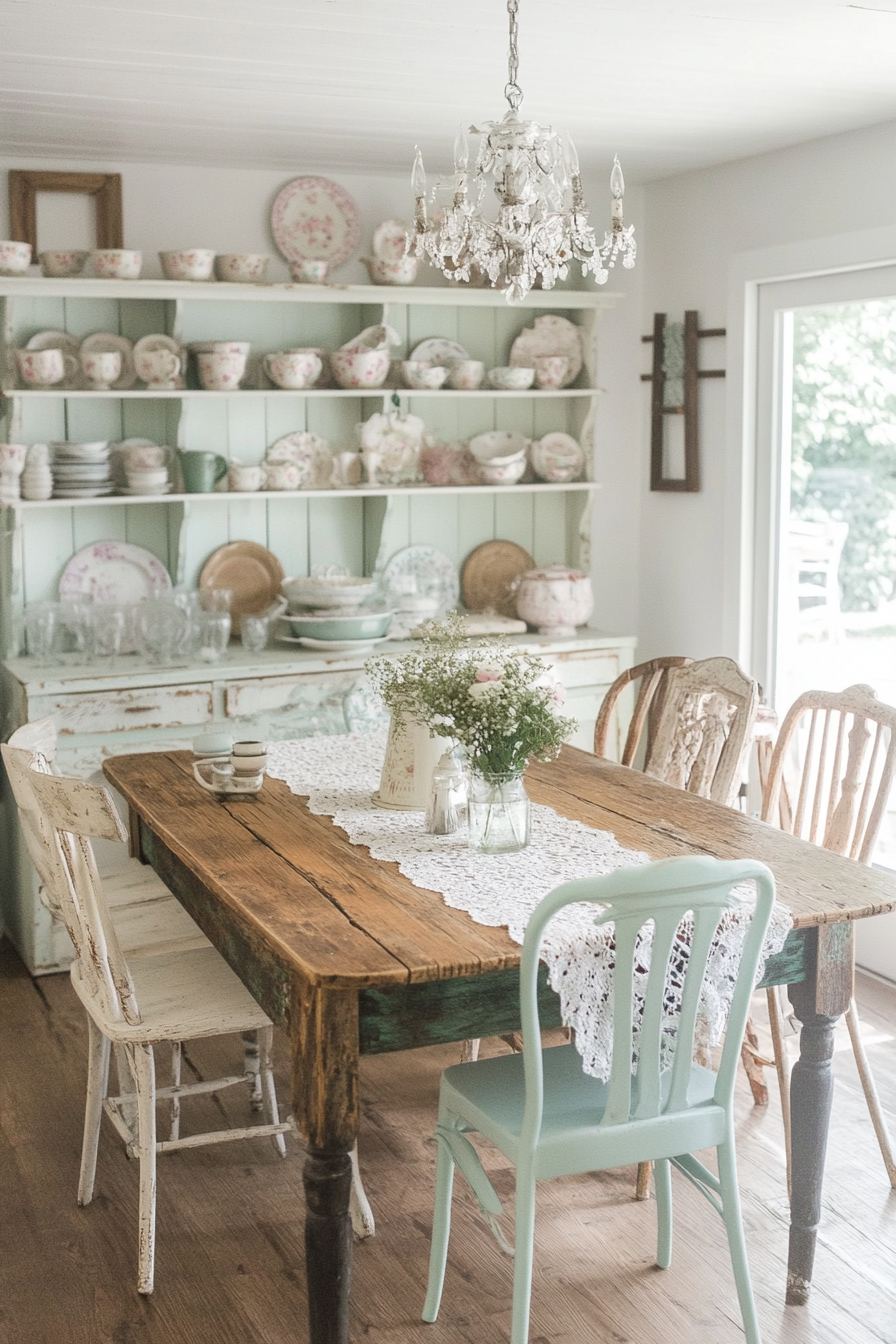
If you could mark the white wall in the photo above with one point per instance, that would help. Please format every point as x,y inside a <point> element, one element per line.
<point>698,224</point>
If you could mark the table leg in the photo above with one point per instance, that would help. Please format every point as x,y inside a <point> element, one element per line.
<point>323,1028</point>
<point>818,1002</point>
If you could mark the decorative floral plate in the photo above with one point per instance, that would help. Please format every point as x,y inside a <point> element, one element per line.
<point>114,572</point>
<point>314,219</point>
<point>310,453</point>
<point>438,350</point>
<point>432,572</point>
<point>109,340</point>
<point>390,240</point>
<point>550,335</point>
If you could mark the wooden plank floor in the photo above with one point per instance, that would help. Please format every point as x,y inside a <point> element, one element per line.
<point>229,1267</point>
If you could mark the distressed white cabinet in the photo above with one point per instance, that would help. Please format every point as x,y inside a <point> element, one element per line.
<point>280,693</point>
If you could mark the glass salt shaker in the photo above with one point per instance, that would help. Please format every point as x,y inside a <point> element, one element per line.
<point>447,796</point>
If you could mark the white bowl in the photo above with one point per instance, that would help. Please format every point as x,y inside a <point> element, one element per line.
<point>116,263</point>
<point>15,257</point>
<point>195,263</point>
<point>511,379</point>
<point>400,271</point>
<point>360,368</point>
<point>339,590</point>
<point>242,268</point>
<point>502,473</point>
<point>422,376</point>
<point>499,446</point>
<point>61,263</point>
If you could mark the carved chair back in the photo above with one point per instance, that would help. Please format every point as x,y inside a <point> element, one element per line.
<point>704,732</point>
<point>848,764</point>
<point>648,706</point>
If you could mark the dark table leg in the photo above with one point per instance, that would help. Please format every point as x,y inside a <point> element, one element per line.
<point>818,1002</point>
<point>323,1028</point>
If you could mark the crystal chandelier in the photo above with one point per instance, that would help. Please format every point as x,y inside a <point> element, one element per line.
<point>542,222</point>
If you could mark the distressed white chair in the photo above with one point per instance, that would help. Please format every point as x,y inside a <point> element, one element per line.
<point>651,678</point>
<point>137,1002</point>
<point>846,744</point>
<point>813,554</point>
<point>551,1119</point>
<point>148,921</point>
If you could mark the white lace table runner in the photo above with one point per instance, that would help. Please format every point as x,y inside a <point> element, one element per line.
<point>338,775</point>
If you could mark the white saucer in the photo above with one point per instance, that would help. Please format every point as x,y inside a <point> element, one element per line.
<point>333,645</point>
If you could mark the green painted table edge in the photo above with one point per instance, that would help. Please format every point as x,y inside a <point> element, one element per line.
<point>409,1016</point>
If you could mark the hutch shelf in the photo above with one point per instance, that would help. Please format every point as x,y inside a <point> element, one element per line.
<point>283,692</point>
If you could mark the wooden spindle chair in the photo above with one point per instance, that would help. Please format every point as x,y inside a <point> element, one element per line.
<point>848,762</point>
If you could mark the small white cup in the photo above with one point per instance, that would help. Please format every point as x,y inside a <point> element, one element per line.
<point>242,477</point>
<point>15,258</point>
<point>241,268</point>
<point>62,263</point>
<point>466,375</point>
<point>550,371</point>
<point>116,263</point>
<point>195,263</point>
<point>101,368</point>
<point>282,476</point>
<point>159,369</point>
<point>12,458</point>
<point>45,368</point>
<point>293,369</point>
<point>311,271</point>
<point>220,370</point>
<point>346,470</point>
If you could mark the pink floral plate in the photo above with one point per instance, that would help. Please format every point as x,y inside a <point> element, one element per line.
<point>314,219</point>
<point>114,572</point>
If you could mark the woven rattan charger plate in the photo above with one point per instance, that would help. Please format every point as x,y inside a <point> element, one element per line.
<point>488,573</point>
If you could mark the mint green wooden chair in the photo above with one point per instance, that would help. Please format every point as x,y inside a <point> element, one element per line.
<point>552,1119</point>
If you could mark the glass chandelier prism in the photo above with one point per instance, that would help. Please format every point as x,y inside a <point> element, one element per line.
<point>542,221</point>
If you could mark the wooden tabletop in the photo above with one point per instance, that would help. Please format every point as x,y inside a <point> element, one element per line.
<point>344,920</point>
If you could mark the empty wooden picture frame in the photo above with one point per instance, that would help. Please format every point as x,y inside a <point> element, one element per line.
<point>674,392</point>
<point>24,185</point>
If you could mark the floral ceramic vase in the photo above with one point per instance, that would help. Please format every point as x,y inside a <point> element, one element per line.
<point>499,812</point>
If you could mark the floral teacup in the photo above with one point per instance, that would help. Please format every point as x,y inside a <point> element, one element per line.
<point>15,258</point>
<point>116,263</point>
<point>62,263</point>
<point>465,375</point>
<point>360,368</point>
<point>101,368</point>
<point>220,371</point>
<point>243,477</point>
<point>282,476</point>
<point>310,271</point>
<point>242,268</point>
<point>294,369</point>
<point>194,264</point>
<point>45,368</point>
<point>159,369</point>
<point>550,371</point>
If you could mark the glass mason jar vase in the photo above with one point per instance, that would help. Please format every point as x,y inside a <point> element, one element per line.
<point>499,813</point>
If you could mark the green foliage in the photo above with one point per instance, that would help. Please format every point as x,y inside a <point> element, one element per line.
<point>844,438</point>
<point>500,705</point>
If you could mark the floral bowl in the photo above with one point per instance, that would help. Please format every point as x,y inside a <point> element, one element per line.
<point>62,263</point>
<point>15,257</point>
<point>502,473</point>
<point>242,268</point>
<point>397,271</point>
<point>196,263</point>
<point>511,378</point>
<point>498,446</point>
<point>360,368</point>
<point>116,263</point>
<point>422,376</point>
<point>332,590</point>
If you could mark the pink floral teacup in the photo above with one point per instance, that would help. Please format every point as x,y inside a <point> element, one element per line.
<point>282,476</point>
<point>293,369</point>
<point>310,271</point>
<point>550,371</point>
<point>101,368</point>
<point>241,477</point>
<point>360,368</point>
<point>145,457</point>
<point>12,458</point>
<point>242,268</point>
<point>45,368</point>
<point>62,263</point>
<point>159,369</point>
<point>221,371</point>
<point>466,375</point>
<point>193,264</point>
<point>116,263</point>
<point>15,258</point>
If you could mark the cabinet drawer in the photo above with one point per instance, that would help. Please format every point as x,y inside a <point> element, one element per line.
<point>123,711</point>
<point>586,667</point>
<point>245,698</point>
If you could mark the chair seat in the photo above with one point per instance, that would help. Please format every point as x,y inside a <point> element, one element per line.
<point>182,996</point>
<point>489,1095</point>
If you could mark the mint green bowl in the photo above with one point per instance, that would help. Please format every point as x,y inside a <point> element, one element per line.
<point>366,625</point>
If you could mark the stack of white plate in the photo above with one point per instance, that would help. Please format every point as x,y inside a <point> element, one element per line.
<point>80,470</point>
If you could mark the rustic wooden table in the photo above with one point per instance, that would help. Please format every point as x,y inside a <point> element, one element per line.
<point>353,959</point>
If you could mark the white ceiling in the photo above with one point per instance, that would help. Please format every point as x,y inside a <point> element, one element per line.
<point>353,84</point>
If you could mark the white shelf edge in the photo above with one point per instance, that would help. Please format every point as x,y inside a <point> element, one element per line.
<point>375,295</point>
<point>359,492</point>
<point>184,394</point>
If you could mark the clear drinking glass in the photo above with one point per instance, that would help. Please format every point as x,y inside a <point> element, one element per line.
<point>254,632</point>
<point>76,624</point>
<point>163,630</point>
<point>41,621</point>
<point>214,634</point>
<point>110,625</point>
<point>216,599</point>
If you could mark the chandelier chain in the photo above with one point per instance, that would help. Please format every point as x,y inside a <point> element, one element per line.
<point>513,93</point>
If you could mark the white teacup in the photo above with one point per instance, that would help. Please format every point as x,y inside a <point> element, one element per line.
<point>311,271</point>
<point>158,368</point>
<point>194,263</point>
<point>417,373</point>
<point>217,775</point>
<point>61,263</point>
<point>282,476</point>
<point>145,457</point>
<point>465,375</point>
<point>220,371</point>
<point>242,268</point>
<point>116,263</point>
<point>12,458</point>
<point>242,477</point>
<point>101,368</point>
<point>15,258</point>
<point>294,369</point>
<point>510,378</point>
<point>360,368</point>
<point>550,371</point>
<point>45,368</point>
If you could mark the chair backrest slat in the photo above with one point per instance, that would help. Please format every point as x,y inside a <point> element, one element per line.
<point>659,895</point>
<point>856,783</point>
<point>652,678</point>
<point>822,774</point>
